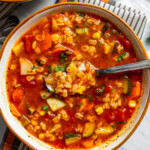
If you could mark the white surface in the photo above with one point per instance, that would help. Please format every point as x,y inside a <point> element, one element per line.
<point>140,140</point>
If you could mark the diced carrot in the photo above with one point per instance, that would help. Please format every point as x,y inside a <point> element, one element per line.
<point>18,95</point>
<point>136,90</point>
<point>89,106</point>
<point>46,43</point>
<point>58,50</point>
<point>88,143</point>
<point>14,110</point>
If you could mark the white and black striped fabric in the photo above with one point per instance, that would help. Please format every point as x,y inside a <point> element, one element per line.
<point>136,19</point>
<point>6,8</point>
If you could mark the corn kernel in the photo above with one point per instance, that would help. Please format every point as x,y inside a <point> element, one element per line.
<point>81,89</point>
<point>33,122</point>
<point>42,113</point>
<point>41,136</point>
<point>99,110</point>
<point>37,50</point>
<point>13,67</point>
<point>132,103</point>
<point>96,35</point>
<point>55,37</point>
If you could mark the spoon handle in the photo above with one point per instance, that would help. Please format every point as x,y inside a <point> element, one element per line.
<point>128,67</point>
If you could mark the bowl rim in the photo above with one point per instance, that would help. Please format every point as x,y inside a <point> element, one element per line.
<point>81,4</point>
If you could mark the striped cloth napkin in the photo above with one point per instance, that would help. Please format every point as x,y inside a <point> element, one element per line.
<point>136,19</point>
<point>6,8</point>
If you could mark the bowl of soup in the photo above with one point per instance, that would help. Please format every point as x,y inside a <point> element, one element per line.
<point>50,95</point>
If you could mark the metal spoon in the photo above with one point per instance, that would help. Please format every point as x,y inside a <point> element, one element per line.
<point>128,67</point>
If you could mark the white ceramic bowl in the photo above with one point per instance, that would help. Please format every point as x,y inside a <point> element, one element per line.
<point>15,125</point>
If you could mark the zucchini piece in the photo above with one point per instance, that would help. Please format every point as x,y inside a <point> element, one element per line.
<point>105,28</point>
<point>55,103</point>
<point>106,35</point>
<point>71,138</point>
<point>115,47</point>
<point>126,85</point>
<point>31,110</point>
<point>45,94</point>
<point>105,130</point>
<point>89,129</point>
<point>24,121</point>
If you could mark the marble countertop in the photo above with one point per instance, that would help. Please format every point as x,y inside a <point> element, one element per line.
<point>140,140</point>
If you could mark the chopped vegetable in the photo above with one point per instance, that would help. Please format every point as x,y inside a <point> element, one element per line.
<point>104,130</point>
<point>31,110</point>
<point>107,49</point>
<point>114,31</point>
<point>132,103</point>
<point>18,95</point>
<point>50,69</point>
<point>19,48</point>
<point>88,143</point>
<point>90,98</point>
<point>55,37</point>
<point>99,110</point>
<point>24,121</point>
<point>81,30</point>
<point>14,110</point>
<point>55,103</point>
<point>96,35</point>
<point>121,56</point>
<point>45,94</point>
<point>39,62</point>
<point>126,85</point>
<point>60,68</point>
<point>89,129</point>
<point>46,43</point>
<point>102,89</point>
<point>25,66</point>
<point>57,51</point>
<point>80,14</point>
<point>34,67</point>
<point>28,39</point>
<point>136,90</point>
<point>115,47</point>
<point>106,35</point>
<point>45,108</point>
<point>105,28</point>
<point>127,44</point>
<point>71,138</point>
<point>121,122</point>
<point>63,55</point>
